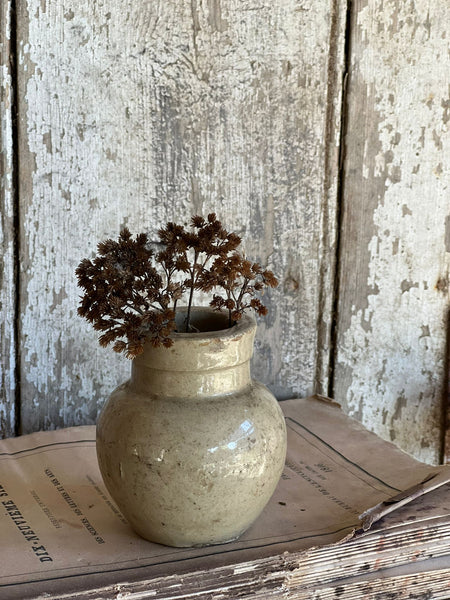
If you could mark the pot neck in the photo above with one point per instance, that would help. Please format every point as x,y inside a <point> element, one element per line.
<point>198,364</point>
<point>194,384</point>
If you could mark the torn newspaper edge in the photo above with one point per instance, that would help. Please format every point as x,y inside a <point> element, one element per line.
<point>380,510</point>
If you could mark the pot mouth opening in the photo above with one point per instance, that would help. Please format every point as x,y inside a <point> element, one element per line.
<point>204,320</point>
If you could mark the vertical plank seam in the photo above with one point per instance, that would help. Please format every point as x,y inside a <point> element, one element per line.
<point>340,198</point>
<point>327,264</point>
<point>16,214</point>
<point>6,267</point>
<point>444,454</point>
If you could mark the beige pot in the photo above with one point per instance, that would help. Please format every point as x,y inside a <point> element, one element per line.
<point>190,448</point>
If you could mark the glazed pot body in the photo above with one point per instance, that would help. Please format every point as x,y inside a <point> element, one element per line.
<point>190,448</point>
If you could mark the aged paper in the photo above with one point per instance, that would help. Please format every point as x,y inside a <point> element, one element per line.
<point>59,527</point>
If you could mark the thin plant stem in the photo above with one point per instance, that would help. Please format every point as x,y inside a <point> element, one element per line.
<point>191,293</point>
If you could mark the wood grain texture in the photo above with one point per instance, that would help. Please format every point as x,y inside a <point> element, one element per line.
<point>137,113</point>
<point>395,251</point>
<point>446,406</point>
<point>7,252</point>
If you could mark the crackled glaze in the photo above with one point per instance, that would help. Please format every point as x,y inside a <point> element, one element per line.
<point>191,448</point>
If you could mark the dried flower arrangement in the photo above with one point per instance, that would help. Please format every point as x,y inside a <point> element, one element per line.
<point>132,302</point>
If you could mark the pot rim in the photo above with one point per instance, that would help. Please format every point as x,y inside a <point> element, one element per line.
<point>203,350</point>
<point>246,323</point>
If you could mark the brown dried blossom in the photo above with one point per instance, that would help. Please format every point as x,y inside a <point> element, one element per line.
<point>241,280</point>
<point>124,295</point>
<point>127,299</point>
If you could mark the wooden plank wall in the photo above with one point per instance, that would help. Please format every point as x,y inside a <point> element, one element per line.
<point>391,364</point>
<point>138,113</point>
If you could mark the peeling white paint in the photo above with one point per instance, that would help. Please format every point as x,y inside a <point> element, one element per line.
<point>141,114</point>
<point>395,372</point>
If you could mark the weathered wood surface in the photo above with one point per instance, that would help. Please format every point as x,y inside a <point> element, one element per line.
<point>137,113</point>
<point>395,237</point>
<point>7,249</point>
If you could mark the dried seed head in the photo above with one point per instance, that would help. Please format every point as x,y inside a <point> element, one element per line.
<point>128,291</point>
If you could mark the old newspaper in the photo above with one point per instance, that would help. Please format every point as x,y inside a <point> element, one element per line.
<point>60,530</point>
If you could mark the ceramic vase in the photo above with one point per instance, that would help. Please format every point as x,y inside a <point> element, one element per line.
<point>191,448</point>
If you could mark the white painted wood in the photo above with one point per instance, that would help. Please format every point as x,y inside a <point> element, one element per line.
<point>395,249</point>
<point>140,113</point>
<point>7,292</point>
<point>137,113</point>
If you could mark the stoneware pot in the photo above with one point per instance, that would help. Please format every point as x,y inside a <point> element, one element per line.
<point>190,448</point>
